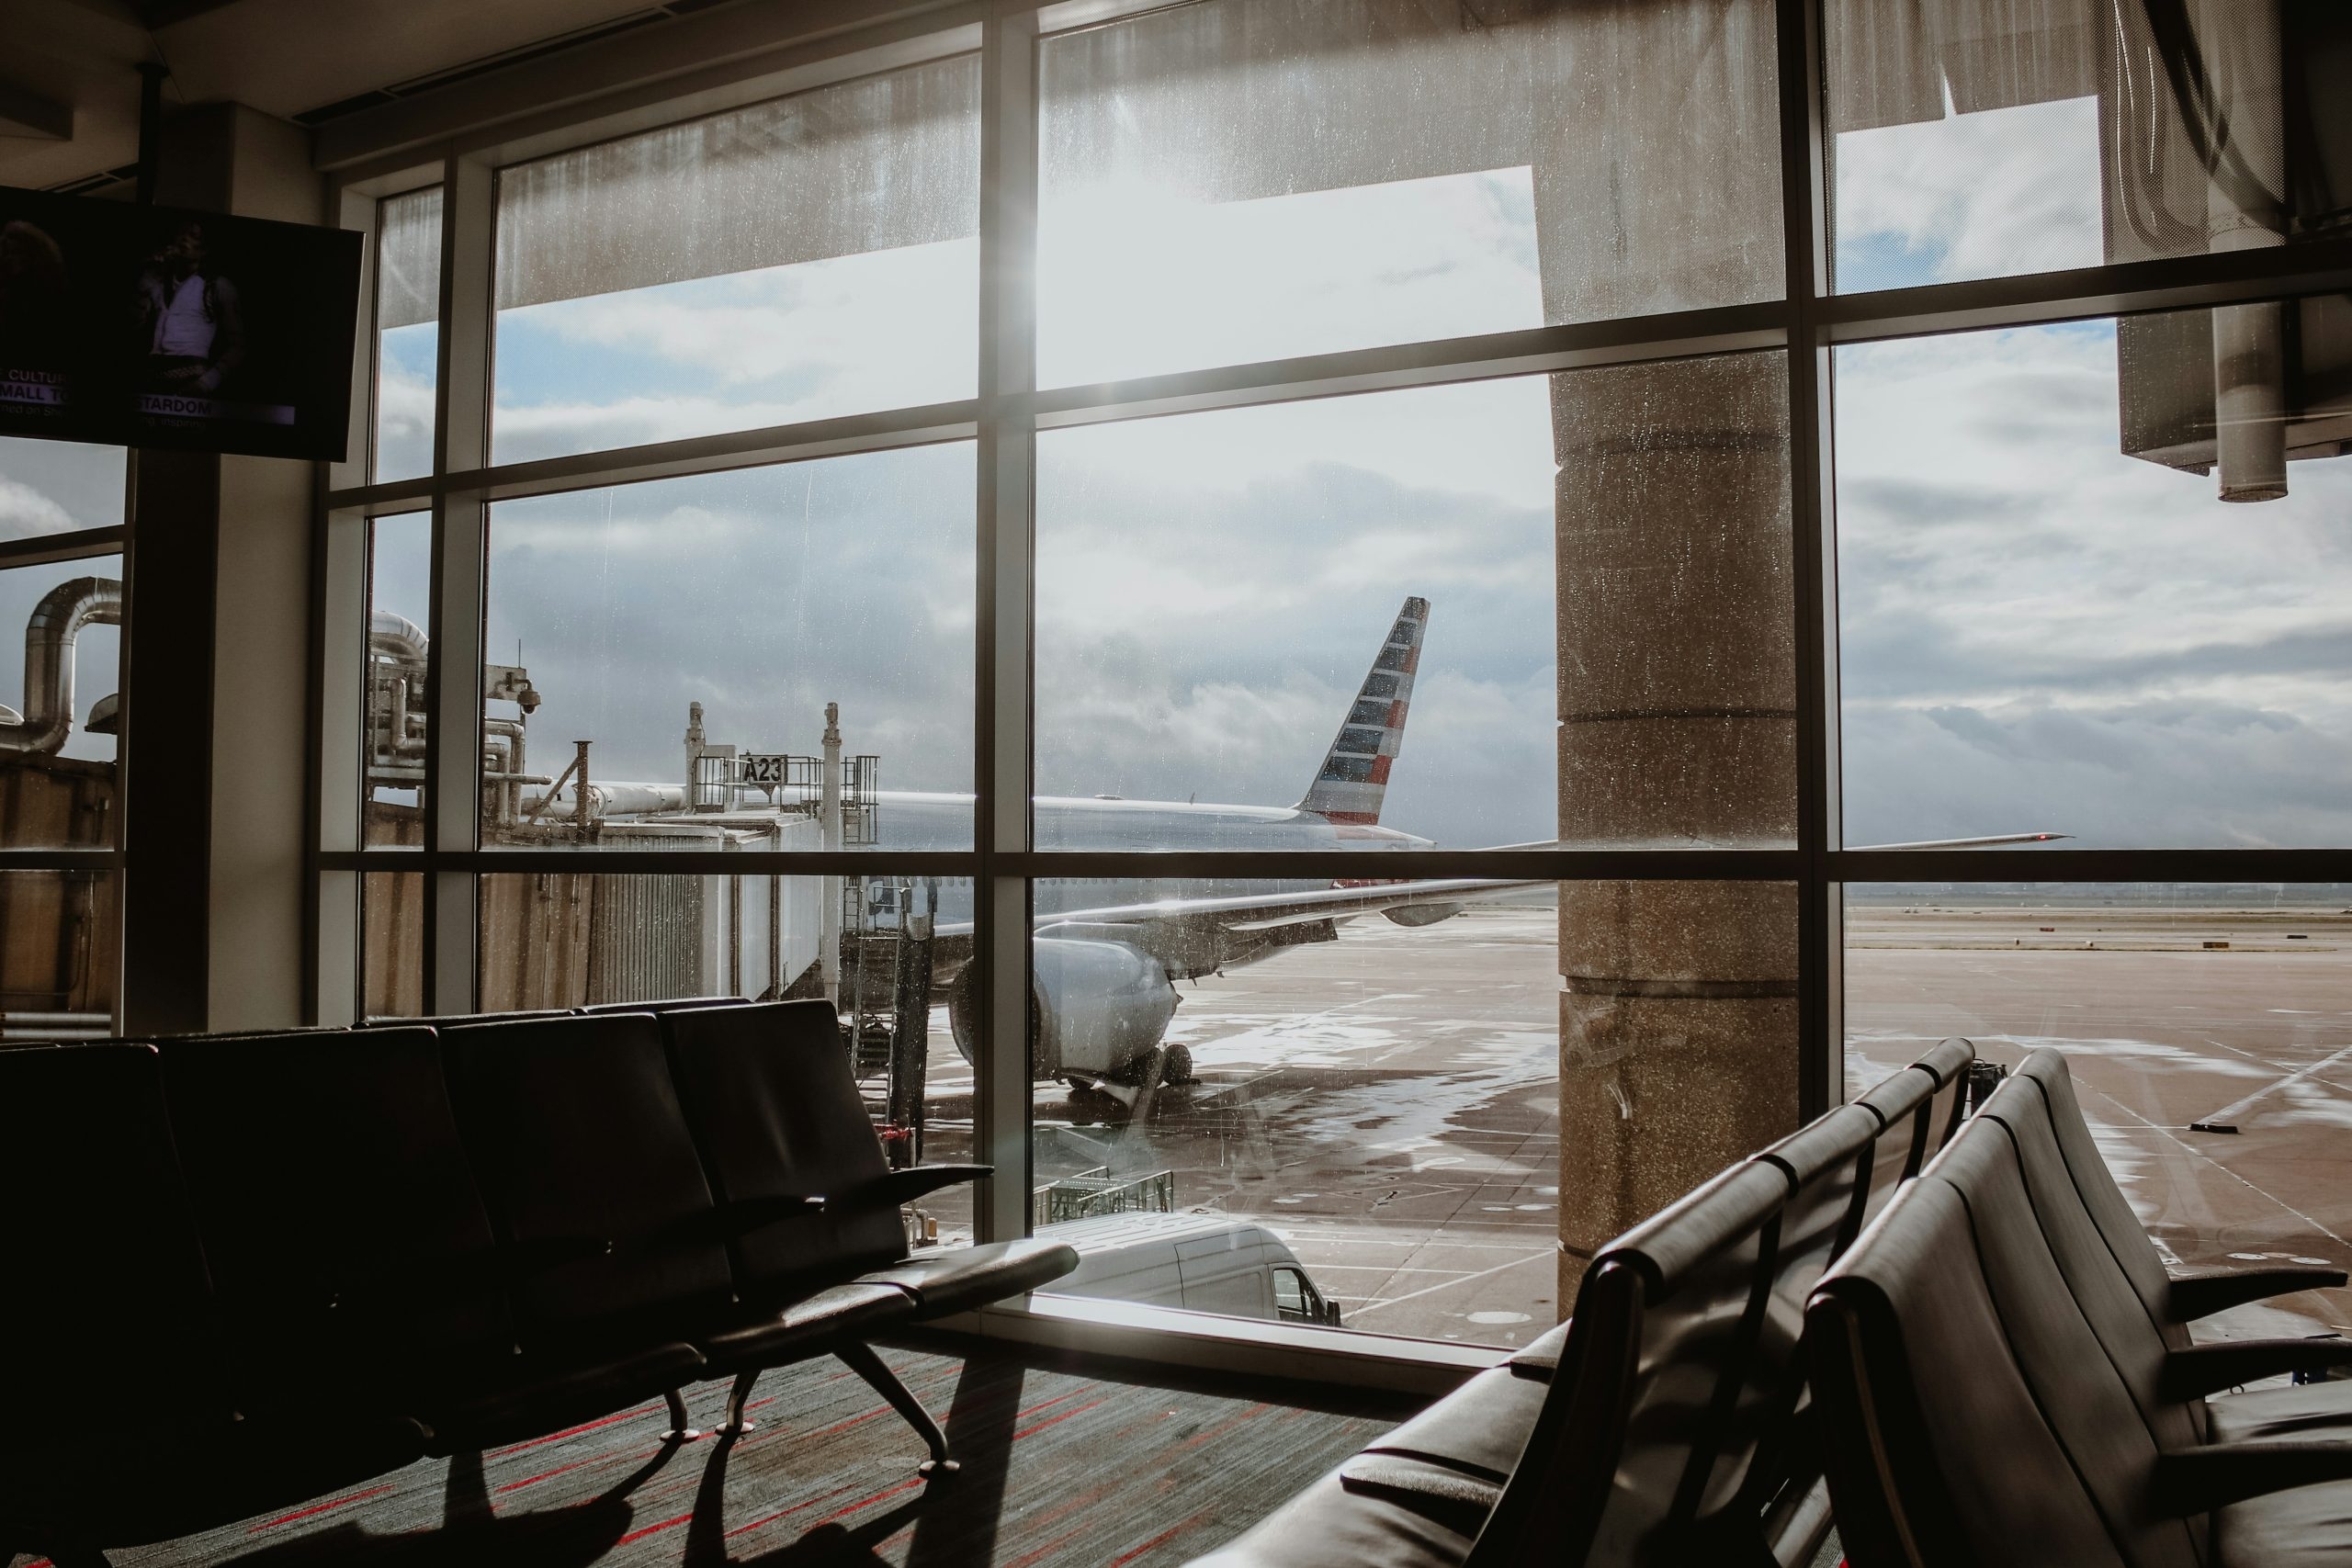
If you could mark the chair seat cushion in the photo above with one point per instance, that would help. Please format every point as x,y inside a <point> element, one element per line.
<point>132,1484</point>
<point>1479,1429</point>
<point>2302,1528</point>
<point>2304,1412</point>
<point>1332,1525</point>
<point>779,1332</point>
<point>530,1399</point>
<point>950,1279</point>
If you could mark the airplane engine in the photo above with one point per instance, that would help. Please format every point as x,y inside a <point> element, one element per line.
<point>1423,914</point>
<point>1096,1008</point>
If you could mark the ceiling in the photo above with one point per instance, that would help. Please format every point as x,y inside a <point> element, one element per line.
<point>75,61</point>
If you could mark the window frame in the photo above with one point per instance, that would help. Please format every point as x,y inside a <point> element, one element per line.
<point>485,125</point>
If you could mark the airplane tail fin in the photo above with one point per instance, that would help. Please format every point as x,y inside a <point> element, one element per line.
<point>1354,776</point>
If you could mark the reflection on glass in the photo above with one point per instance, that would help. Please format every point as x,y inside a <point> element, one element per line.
<point>391,945</point>
<point>2175,1004</point>
<point>1981,137</point>
<point>408,307</point>
<point>1403,617</point>
<point>564,939</point>
<point>1350,1120</point>
<point>1235,180</point>
<point>709,650</point>
<point>400,560</point>
<point>63,953</point>
<point>60,662</point>
<point>58,487</point>
<point>2042,629</point>
<point>795,259</point>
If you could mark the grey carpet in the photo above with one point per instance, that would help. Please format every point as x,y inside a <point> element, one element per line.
<point>1065,1465</point>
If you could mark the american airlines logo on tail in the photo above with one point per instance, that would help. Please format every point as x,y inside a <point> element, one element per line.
<point>1354,776</point>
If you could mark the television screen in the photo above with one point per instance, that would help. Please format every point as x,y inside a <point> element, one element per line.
<point>154,326</point>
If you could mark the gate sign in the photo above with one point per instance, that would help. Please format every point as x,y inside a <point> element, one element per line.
<point>761,768</point>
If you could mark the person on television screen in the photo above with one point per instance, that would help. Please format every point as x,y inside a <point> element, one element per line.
<point>195,336</point>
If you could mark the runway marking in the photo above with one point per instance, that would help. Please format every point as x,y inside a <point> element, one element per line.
<point>1425,1290</point>
<point>2231,1110</point>
<point>2196,1153</point>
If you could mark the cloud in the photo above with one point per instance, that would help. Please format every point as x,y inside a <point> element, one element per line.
<point>2039,631</point>
<point>25,512</point>
<point>1984,195</point>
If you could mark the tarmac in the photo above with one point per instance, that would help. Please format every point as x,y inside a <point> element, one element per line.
<point>1386,1104</point>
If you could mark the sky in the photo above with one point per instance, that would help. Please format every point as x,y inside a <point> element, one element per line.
<point>2037,632</point>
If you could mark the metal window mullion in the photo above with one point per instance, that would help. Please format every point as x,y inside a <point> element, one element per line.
<point>453,678</point>
<point>1806,237</point>
<point>1005,611</point>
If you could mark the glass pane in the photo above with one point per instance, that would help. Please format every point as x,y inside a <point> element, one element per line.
<point>1984,137</point>
<point>62,956</point>
<point>58,487</point>
<point>408,333</point>
<point>795,259</point>
<point>2175,1004</point>
<point>579,938</point>
<point>2046,626</point>
<point>1375,1102</point>
<point>1240,612</point>
<point>693,640</point>
<point>61,660</point>
<point>399,563</point>
<point>391,938</point>
<point>1242,180</point>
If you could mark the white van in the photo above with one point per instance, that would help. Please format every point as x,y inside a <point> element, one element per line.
<point>1201,1262</point>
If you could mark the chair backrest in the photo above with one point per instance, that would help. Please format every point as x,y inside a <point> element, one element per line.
<point>1761,1452</point>
<point>674,1004</point>
<point>2086,1399</point>
<point>106,1316</point>
<point>1938,1454</point>
<point>344,1232</point>
<point>1946,1061</point>
<point>575,1135</point>
<point>2135,1341</point>
<point>459,1020</point>
<point>1624,1457</point>
<point>1903,1104</point>
<point>2127,1239</point>
<point>775,1111</point>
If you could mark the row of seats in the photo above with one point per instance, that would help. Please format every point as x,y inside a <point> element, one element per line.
<point>1670,1421</point>
<point>2005,1374</point>
<point>251,1270</point>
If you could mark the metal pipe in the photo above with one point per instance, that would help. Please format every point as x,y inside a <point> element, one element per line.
<point>829,828</point>
<point>50,635</point>
<point>397,637</point>
<point>14,1020</point>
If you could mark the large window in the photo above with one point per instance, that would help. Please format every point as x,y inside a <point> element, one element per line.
<point>993,536</point>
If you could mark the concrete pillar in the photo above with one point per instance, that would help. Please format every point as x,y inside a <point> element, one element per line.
<point>1679,1046</point>
<point>217,692</point>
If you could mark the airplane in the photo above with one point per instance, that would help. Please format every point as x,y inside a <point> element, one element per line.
<point>1105,975</point>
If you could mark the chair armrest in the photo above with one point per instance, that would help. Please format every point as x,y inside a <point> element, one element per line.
<point>894,1187</point>
<point>2198,1481</point>
<point>2200,1370</point>
<point>741,1216</point>
<point>2202,1289</point>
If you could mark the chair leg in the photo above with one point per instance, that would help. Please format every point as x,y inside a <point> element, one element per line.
<point>735,1422</point>
<point>860,1359</point>
<point>680,1429</point>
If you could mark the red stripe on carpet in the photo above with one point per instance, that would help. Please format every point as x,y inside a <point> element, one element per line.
<point>573,1431</point>
<point>549,1474</point>
<point>869,1502</point>
<point>1050,1403</point>
<point>1197,1438</point>
<point>1047,1550</point>
<point>318,1508</point>
<point>786,1513</point>
<point>656,1529</point>
<point>1051,1419</point>
<point>1162,1539</point>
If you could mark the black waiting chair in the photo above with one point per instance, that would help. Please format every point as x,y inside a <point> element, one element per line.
<point>1930,1110</point>
<point>1973,1414</point>
<point>120,1423</point>
<point>575,1131</point>
<point>775,1111</point>
<point>2173,1297</point>
<point>674,1004</point>
<point>354,1261</point>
